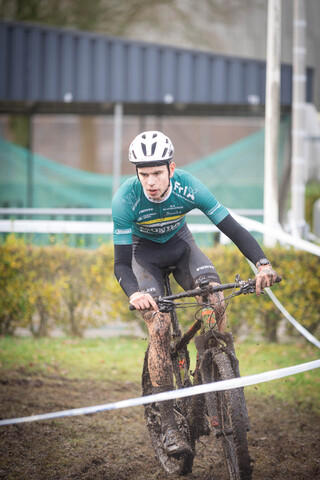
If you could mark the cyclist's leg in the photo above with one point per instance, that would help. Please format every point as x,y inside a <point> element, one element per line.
<point>193,266</point>
<point>150,279</point>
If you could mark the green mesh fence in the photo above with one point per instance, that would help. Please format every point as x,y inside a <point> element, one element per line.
<point>234,174</point>
<point>54,185</point>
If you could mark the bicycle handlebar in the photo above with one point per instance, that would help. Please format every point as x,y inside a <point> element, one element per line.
<point>244,286</point>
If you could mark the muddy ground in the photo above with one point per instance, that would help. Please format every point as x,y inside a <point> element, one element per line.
<point>284,441</point>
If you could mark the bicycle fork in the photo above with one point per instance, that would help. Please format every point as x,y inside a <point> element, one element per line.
<point>216,419</point>
<point>207,375</point>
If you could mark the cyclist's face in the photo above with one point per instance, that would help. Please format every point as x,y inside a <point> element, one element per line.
<point>155,180</point>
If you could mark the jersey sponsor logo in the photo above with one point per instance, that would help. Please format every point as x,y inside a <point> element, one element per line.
<point>154,230</point>
<point>123,231</point>
<point>204,267</point>
<point>185,191</point>
<point>145,210</point>
<point>150,290</point>
<point>145,217</point>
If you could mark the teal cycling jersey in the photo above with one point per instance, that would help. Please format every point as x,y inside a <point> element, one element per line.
<point>135,214</point>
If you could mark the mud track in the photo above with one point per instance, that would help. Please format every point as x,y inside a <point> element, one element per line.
<point>284,441</point>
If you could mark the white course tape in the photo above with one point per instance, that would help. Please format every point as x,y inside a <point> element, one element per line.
<point>287,315</point>
<point>278,234</point>
<point>185,392</point>
<point>294,322</point>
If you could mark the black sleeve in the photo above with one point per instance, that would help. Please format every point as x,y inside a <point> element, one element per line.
<point>123,269</point>
<point>243,239</point>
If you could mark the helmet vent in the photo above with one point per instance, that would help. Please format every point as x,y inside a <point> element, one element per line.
<point>153,148</point>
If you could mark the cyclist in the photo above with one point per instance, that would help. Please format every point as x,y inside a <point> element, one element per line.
<point>150,233</point>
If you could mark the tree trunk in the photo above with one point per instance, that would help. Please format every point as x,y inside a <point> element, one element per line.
<point>270,327</point>
<point>5,325</point>
<point>43,327</point>
<point>75,332</point>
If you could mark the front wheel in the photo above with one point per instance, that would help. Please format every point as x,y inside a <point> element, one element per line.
<point>233,423</point>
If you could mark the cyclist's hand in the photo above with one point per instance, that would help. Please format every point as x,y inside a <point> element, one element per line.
<point>265,278</point>
<point>143,301</point>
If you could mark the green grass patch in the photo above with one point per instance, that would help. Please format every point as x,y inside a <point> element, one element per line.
<point>97,359</point>
<point>301,389</point>
<point>121,358</point>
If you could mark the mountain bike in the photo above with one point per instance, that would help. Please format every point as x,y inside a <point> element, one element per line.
<point>222,414</point>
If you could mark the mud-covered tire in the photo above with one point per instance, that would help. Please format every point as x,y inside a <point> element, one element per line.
<point>173,466</point>
<point>233,422</point>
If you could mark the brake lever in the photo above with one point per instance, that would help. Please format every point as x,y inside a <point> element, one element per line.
<point>165,306</point>
<point>248,287</point>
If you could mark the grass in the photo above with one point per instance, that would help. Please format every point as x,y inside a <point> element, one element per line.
<point>75,358</point>
<point>121,358</point>
<point>300,389</point>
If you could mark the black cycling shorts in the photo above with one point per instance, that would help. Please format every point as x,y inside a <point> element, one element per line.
<point>191,264</point>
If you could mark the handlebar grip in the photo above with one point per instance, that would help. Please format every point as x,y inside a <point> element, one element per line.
<point>131,307</point>
<point>278,280</point>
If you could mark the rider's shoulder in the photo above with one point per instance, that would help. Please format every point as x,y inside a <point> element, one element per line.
<point>185,176</point>
<point>129,184</point>
<point>130,189</point>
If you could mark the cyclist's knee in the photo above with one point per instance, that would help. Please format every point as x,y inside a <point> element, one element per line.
<point>217,301</point>
<point>157,323</point>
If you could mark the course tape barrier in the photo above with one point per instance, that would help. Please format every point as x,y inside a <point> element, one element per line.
<point>294,322</point>
<point>278,234</point>
<point>173,394</point>
<point>286,314</point>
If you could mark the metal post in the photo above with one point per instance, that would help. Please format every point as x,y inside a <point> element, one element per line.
<point>270,201</point>
<point>30,183</point>
<point>298,161</point>
<point>117,145</point>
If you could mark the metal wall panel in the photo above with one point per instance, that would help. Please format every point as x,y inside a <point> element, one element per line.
<point>66,80</point>
<point>219,80</point>
<point>34,67</point>
<point>168,76</point>
<point>16,70</point>
<point>135,79</point>
<point>45,64</point>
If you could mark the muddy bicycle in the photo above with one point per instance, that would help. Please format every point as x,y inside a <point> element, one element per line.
<point>222,414</point>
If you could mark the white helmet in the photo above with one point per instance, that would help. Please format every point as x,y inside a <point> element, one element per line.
<point>150,149</point>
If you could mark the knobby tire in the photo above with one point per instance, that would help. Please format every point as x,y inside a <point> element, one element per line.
<point>231,412</point>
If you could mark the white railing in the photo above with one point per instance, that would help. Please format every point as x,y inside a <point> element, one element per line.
<point>105,227</point>
<point>102,211</point>
<point>18,225</point>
